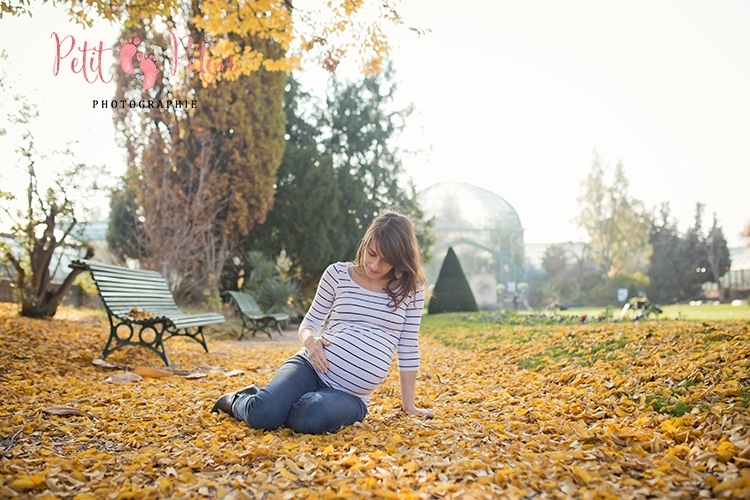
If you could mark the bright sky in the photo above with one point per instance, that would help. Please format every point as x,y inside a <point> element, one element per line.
<point>514,97</point>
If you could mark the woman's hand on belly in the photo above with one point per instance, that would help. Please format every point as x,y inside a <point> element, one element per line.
<point>316,352</point>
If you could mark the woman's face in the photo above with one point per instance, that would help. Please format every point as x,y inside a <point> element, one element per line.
<point>375,267</point>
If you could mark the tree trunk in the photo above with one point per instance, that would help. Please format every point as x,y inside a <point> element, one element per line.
<point>45,306</point>
<point>39,309</point>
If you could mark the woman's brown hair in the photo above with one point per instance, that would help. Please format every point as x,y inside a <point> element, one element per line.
<point>396,242</point>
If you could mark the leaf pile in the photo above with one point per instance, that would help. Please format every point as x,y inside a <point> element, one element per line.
<point>138,313</point>
<point>633,410</point>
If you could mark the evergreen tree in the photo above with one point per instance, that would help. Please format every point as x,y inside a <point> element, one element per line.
<point>718,255</point>
<point>306,219</point>
<point>362,127</point>
<point>664,273</point>
<point>452,292</point>
<point>692,259</point>
<point>338,171</point>
<point>681,264</point>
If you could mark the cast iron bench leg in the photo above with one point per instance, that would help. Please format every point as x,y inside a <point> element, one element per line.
<point>156,344</point>
<point>197,336</point>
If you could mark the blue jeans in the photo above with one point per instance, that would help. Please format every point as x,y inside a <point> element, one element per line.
<point>296,398</point>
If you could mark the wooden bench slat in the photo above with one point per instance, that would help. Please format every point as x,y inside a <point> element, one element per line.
<point>101,267</point>
<point>108,277</point>
<point>142,296</point>
<point>124,303</point>
<point>126,307</point>
<point>135,293</point>
<point>126,285</point>
<point>132,284</point>
<point>183,322</point>
<point>156,312</point>
<point>114,284</point>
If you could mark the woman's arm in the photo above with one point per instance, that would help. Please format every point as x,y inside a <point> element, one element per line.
<point>408,354</point>
<point>315,318</point>
<point>408,381</point>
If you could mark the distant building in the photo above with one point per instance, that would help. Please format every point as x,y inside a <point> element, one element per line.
<point>737,280</point>
<point>485,232</point>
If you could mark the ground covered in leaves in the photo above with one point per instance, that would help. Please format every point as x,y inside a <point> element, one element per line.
<point>523,410</point>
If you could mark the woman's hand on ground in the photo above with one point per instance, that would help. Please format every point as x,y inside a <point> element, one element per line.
<point>316,352</point>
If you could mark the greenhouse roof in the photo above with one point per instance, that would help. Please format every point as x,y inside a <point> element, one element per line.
<point>461,207</point>
<point>740,258</point>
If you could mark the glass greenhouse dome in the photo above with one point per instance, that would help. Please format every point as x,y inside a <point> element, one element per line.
<point>484,231</point>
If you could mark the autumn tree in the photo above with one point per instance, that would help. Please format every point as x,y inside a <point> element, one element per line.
<point>617,224</point>
<point>555,260</point>
<point>238,126</point>
<point>264,37</point>
<point>202,177</point>
<point>555,264</point>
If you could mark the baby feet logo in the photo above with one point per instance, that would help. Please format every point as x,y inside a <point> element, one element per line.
<point>128,49</point>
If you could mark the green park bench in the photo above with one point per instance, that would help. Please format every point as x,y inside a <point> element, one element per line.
<point>142,310</point>
<point>253,319</point>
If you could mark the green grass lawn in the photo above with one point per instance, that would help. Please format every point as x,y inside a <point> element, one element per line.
<point>679,312</point>
<point>704,312</point>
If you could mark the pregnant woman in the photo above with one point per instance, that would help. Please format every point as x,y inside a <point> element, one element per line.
<point>363,312</point>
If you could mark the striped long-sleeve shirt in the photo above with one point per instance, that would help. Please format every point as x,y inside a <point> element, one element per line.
<point>363,330</point>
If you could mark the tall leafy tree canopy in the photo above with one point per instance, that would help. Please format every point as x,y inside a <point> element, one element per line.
<point>361,127</point>
<point>200,179</point>
<point>340,168</point>
<point>682,263</point>
<point>717,251</point>
<point>664,268</point>
<point>307,214</point>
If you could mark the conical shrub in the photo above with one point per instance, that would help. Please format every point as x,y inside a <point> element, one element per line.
<point>452,292</point>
